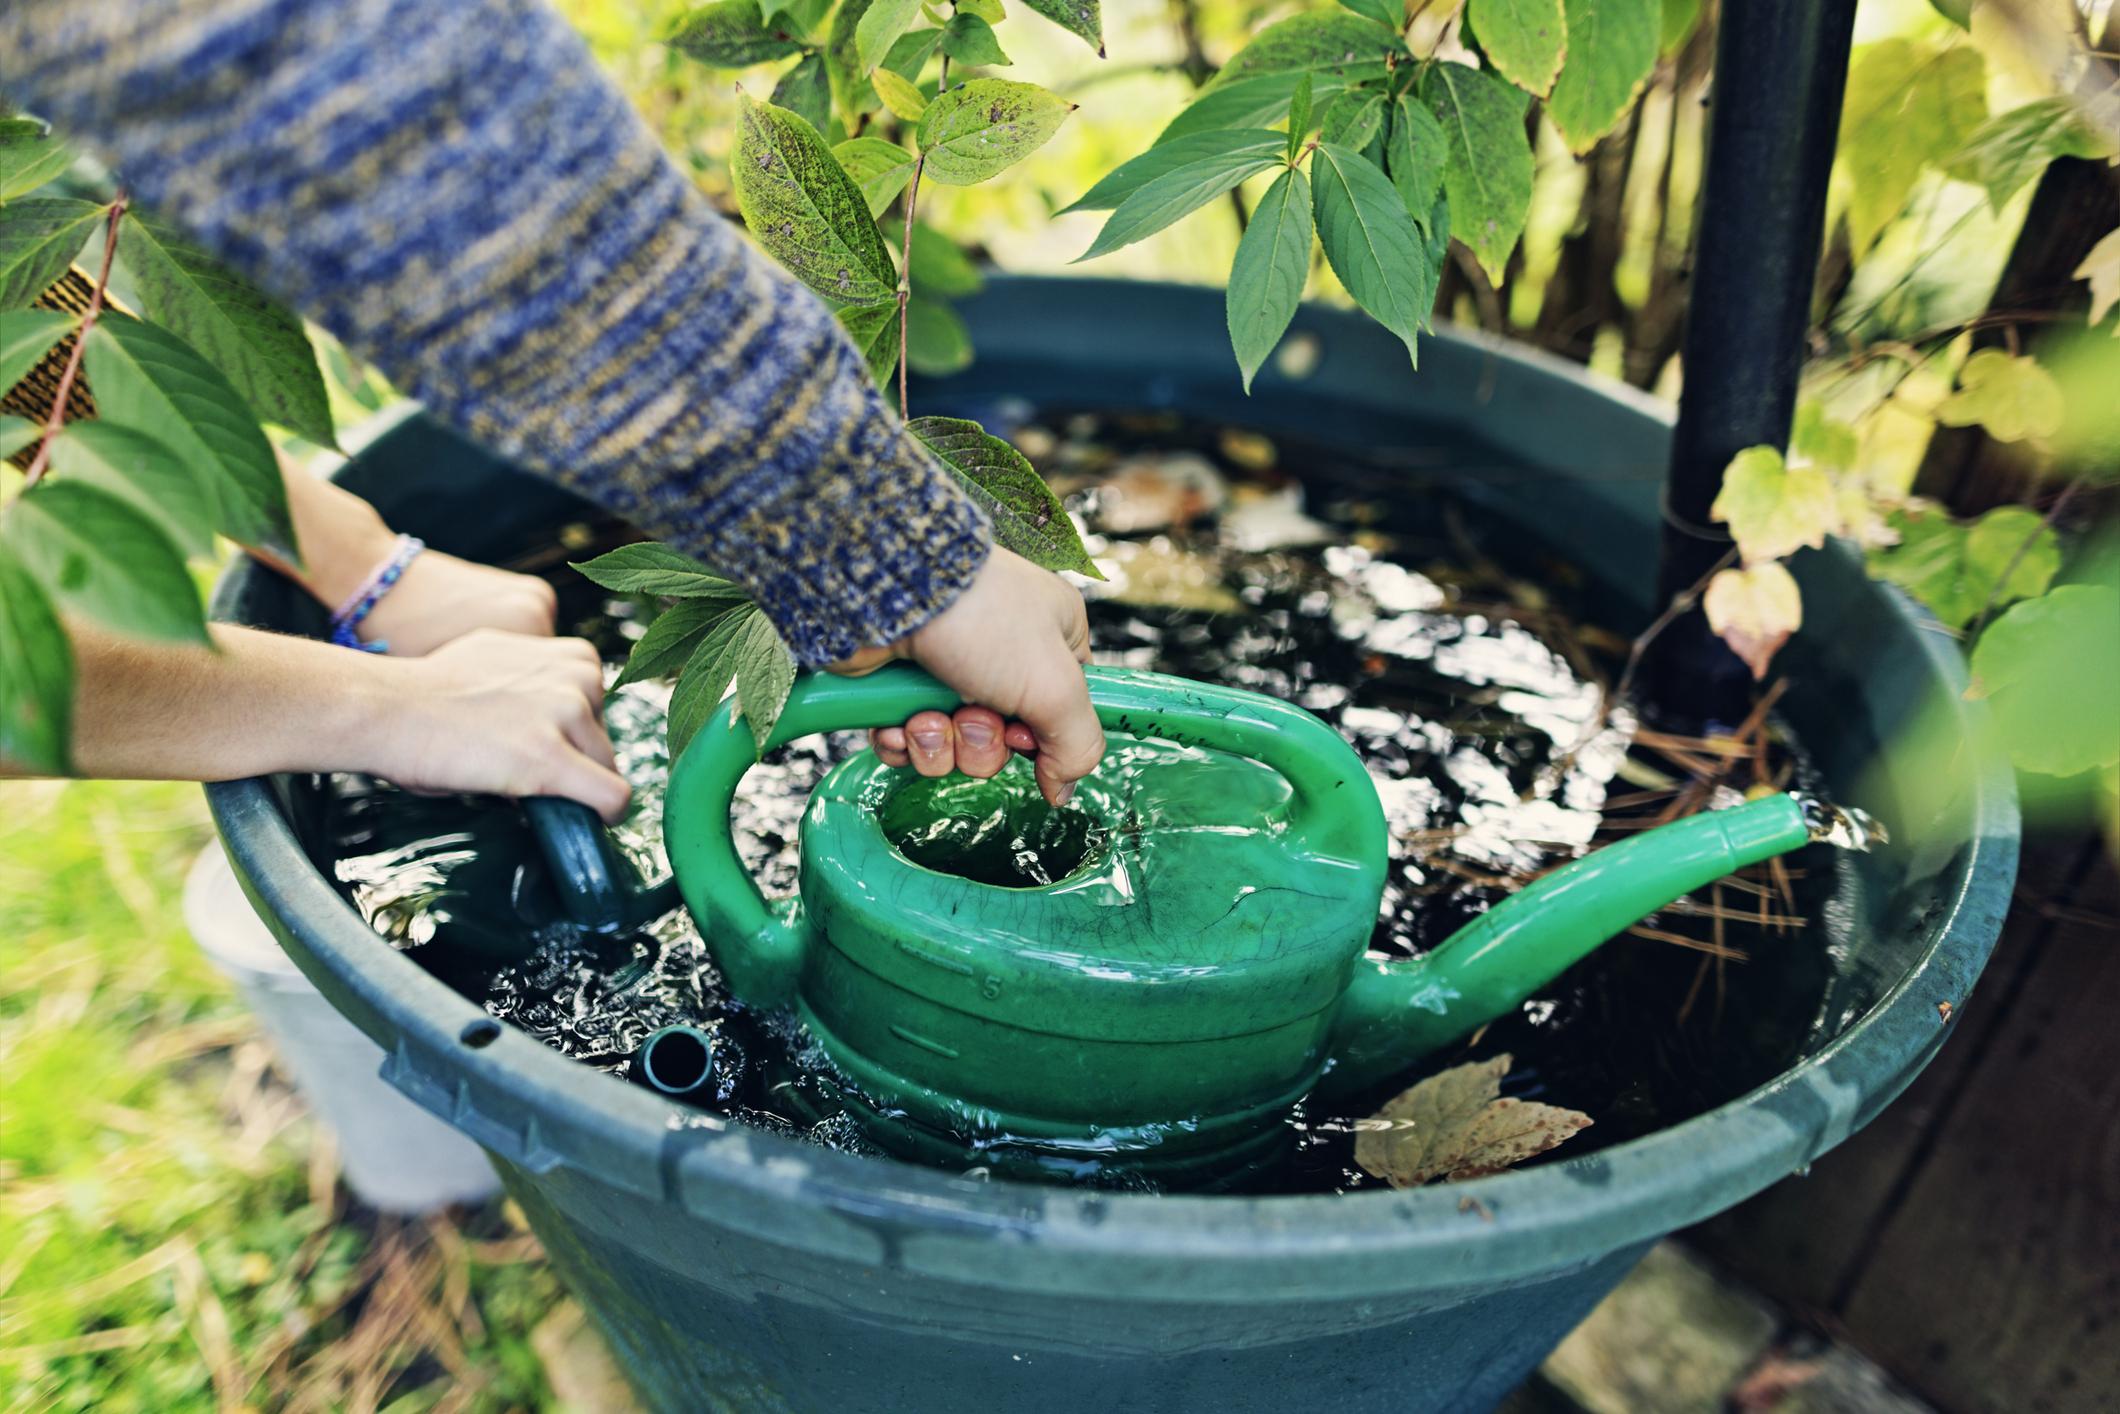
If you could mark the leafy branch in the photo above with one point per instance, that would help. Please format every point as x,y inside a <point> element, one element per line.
<point>57,418</point>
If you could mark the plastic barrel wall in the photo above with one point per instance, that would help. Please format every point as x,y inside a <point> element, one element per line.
<point>734,1269</point>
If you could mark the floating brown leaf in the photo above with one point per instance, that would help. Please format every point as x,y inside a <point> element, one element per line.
<point>1456,1125</point>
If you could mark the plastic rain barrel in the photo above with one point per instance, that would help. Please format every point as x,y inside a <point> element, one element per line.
<point>734,1269</point>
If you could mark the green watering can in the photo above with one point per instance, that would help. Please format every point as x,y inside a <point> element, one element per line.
<point>1163,1007</point>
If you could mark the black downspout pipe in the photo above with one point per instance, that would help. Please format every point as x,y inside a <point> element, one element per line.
<point>1780,69</point>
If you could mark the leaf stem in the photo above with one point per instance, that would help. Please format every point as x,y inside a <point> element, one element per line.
<point>905,256</point>
<point>57,417</point>
<point>905,281</point>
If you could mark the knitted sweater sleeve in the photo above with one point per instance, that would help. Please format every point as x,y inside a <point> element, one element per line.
<point>458,194</point>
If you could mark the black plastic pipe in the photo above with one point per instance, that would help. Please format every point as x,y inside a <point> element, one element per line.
<point>1780,69</point>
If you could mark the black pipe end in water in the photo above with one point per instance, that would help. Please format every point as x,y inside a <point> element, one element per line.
<point>683,1062</point>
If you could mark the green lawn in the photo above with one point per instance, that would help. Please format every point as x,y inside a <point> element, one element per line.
<point>171,1233</point>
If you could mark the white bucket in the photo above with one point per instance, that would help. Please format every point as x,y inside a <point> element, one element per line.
<point>395,1156</point>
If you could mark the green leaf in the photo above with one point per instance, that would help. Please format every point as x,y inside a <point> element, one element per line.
<point>16,433</point>
<point>912,51</point>
<point>104,560</point>
<point>1028,518</point>
<point>707,675</point>
<point>899,95</point>
<point>2010,395</point>
<point>1957,569</point>
<point>39,239</point>
<point>1772,508</point>
<point>731,34</point>
<point>970,40</point>
<point>881,169</point>
<point>1298,119</point>
<point>1523,39</point>
<point>1083,18</point>
<point>765,675</point>
<point>940,268</point>
<point>1354,118</point>
<point>141,471</point>
<point>235,326</point>
<point>27,336</point>
<point>936,341</point>
<point>874,330</point>
<point>1168,157</point>
<point>29,157</point>
<point>1253,103</point>
<point>651,568</point>
<point>988,10</point>
<point>673,637</point>
<point>1331,43</point>
<point>1389,13</point>
<point>851,89</point>
<point>985,125</point>
<point>880,27</point>
<point>806,91</point>
<point>36,676</point>
<point>1415,154</point>
<point>1909,106</point>
<point>1680,18</point>
<point>1180,192</point>
<point>805,210</point>
<point>2011,149</point>
<point>1273,262</point>
<point>1612,46</point>
<point>148,379</point>
<point>1372,242</point>
<point>1487,166</point>
<point>2050,671</point>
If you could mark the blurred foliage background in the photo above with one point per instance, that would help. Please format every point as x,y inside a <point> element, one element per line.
<point>171,1235</point>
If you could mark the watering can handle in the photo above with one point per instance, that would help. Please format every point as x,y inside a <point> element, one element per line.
<point>759,946</point>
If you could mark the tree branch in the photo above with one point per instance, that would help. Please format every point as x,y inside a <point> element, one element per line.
<point>57,417</point>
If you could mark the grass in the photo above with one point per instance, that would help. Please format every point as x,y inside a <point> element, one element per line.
<point>172,1236</point>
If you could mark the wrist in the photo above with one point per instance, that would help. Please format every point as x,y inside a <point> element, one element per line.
<point>343,540</point>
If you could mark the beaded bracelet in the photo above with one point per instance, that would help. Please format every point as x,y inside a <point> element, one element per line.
<point>346,623</point>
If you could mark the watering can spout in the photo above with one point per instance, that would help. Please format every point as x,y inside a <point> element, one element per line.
<point>1394,1013</point>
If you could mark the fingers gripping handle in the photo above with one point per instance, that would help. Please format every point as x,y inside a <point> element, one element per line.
<point>759,946</point>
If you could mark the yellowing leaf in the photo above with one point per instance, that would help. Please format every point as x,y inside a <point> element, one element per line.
<point>1910,105</point>
<point>1754,610</point>
<point>1456,1125</point>
<point>1774,509</point>
<point>2102,268</point>
<point>2012,397</point>
<point>901,97</point>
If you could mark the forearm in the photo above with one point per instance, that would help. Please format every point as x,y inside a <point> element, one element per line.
<point>479,212</point>
<point>263,703</point>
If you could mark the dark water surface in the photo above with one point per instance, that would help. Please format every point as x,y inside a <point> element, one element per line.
<point>1447,650</point>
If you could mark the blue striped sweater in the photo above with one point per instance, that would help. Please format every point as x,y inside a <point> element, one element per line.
<point>454,190</point>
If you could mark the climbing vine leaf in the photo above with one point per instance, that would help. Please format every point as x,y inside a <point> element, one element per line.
<point>1772,508</point>
<point>1524,39</point>
<point>1272,264</point>
<point>1754,610</point>
<point>1028,518</point>
<point>1371,241</point>
<point>1612,46</point>
<point>2049,669</point>
<point>806,211</point>
<point>2010,395</point>
<point>981,127</point>
<point>1487,164</point>
<point>1960,570</point>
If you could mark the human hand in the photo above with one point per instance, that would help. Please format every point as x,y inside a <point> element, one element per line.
<point>1012,646</point>
<point>500,713</point>
<point>440,598</point>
